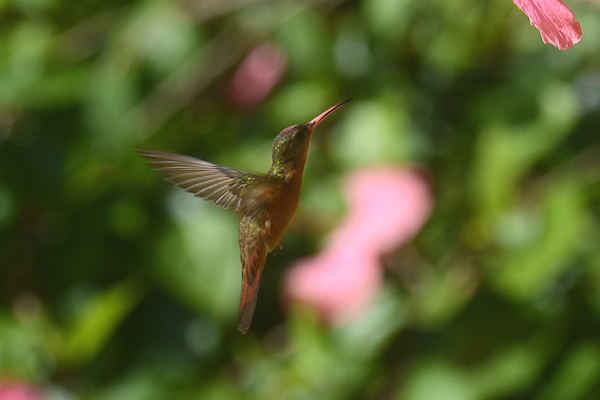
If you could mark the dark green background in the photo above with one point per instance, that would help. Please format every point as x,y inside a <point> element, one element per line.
<point>114,285</point>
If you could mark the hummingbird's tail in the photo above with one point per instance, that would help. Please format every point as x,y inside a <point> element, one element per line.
<point>253,261</point>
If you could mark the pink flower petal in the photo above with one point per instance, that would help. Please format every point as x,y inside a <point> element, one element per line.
<point>554,20</point>
<point>386,207</point>
<point>256,76</point>
<point>10,390</point>
<point>338,284</point>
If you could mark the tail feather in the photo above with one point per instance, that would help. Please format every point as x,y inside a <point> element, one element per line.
<point>253,261</point>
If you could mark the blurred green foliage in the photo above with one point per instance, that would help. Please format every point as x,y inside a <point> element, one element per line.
<point>113,285</point>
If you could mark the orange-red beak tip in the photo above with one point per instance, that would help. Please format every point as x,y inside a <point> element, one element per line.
<point>315,121</point>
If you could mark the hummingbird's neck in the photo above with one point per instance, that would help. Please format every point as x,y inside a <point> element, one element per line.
<point>290,171</point>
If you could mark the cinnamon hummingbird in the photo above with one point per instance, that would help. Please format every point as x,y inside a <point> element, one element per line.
<point>267,202</point>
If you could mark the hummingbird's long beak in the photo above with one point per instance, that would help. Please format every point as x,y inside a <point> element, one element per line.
<point>312,124</point>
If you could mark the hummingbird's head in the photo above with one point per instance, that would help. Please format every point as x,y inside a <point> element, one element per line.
<point>291,142</point>
<point>291,145</point>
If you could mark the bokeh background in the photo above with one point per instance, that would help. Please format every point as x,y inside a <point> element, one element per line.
<point>115,285</point>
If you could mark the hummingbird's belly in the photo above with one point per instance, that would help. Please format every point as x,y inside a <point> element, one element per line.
<point>281,215</point>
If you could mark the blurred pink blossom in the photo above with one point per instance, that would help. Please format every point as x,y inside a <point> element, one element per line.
<point>12,390</point>
<point>386,207</point>
<point>256,76</point>
<point>554,20</point>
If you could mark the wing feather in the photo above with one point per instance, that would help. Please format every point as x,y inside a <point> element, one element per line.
<point>225,186</point>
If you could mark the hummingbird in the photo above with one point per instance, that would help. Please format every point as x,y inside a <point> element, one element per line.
<point>267,201</point>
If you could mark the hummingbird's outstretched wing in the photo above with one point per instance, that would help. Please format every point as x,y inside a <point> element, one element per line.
<point>226,186</point>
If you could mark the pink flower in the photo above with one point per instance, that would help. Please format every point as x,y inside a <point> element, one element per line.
<point>554,20</point>
<point>338,284</point>
<point>386,207</point>
<point>12,390</point>
<point>256,76</point>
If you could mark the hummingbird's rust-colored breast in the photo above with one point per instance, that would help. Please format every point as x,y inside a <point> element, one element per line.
<point>283,207</point>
